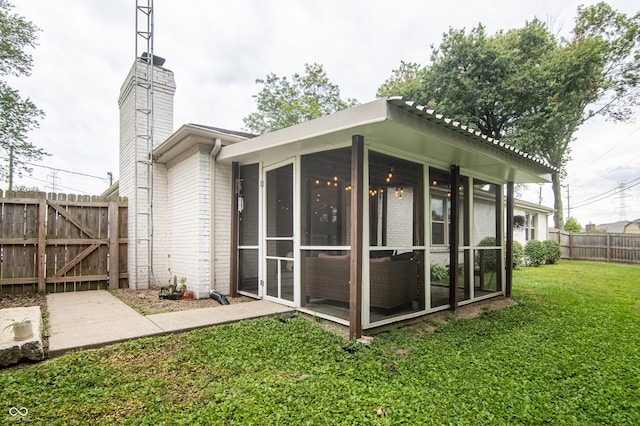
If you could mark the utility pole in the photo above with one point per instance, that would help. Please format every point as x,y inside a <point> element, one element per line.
<point>568,203</point>
<point>11,168</point>
<point>540,194</point>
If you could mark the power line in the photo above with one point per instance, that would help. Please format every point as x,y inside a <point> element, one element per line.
<point>58,186</point>
<point>604,197</point>
<point>62,170</point>
<point>608,173</point>
<point>606,192</point>
<point>624,139</point>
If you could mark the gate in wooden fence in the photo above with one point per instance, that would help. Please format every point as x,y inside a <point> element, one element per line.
<point>56,243</point>
<point>617,248</point>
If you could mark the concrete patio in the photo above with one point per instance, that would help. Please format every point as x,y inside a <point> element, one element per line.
<point>89,319</point>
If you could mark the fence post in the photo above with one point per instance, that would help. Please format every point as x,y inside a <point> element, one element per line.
<point>114,249</point>
<point>42,246</point>
<point>571,246</point>
<point>609,250</point>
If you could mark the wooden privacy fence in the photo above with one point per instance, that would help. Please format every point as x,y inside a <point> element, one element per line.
<point>618,248</point>
<point>58,242</point>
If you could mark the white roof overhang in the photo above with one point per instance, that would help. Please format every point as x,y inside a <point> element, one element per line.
<point>401,126</point>
<point>188,139</point>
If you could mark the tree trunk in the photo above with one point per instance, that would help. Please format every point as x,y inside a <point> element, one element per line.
<point>557,201</point>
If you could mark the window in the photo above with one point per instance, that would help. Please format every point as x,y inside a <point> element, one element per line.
<point>440,197</point>
<point>530,233</point>
<point>440,219</point>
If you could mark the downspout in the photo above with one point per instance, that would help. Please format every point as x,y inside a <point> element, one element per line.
<point>212,239</point>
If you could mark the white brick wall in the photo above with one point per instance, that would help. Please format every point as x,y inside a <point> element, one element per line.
<point>222,221</point>
<point>188,210</point>
<point>400,218</point>
<point>161,275</point>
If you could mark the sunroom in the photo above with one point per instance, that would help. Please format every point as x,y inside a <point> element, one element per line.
<point>376,214</point>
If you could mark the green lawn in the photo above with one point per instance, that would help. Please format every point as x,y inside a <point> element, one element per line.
<point>569,353</point>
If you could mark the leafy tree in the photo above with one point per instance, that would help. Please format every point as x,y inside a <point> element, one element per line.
<point>407,81</point>
<point>18,115</point>
<point>531,88</point>
<point>282,103</point>
<point>572,225</point>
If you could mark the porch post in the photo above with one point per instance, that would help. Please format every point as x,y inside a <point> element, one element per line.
<point>454,238</point>
<point>509,244</point>
<point>355,275</point>
<point>235,175</point>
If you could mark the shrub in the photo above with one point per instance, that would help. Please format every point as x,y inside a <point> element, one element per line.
<point>439,273</point>
<point>518,254</point>
<point>552,252</point>
<point>489,255</point>
<point>534,253</point>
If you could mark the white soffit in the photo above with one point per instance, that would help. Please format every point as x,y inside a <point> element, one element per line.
<point>400,125</point>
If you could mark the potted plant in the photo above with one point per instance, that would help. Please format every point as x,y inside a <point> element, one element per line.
<point>186,294</point>
<point>22,330</point>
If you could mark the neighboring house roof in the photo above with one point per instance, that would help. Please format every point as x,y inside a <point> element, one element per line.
<point>614,228</point>
<point>632,227</point>
<point>112,190</point>
<point>532,207</point>
<point>399,125</point>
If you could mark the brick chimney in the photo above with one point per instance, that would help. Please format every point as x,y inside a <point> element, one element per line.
<point>164,87</point>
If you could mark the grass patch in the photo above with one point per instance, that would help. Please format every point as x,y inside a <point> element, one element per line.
<point>569,353</point>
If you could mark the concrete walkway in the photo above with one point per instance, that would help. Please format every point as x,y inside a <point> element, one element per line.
<point>89,319</point>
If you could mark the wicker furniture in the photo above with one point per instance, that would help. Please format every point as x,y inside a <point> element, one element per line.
<point>393,283</point>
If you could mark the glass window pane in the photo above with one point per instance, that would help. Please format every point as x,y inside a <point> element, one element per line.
<point>437,233</point>
<point>437,209</point>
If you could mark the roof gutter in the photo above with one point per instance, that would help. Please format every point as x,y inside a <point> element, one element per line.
<point>212,239</point>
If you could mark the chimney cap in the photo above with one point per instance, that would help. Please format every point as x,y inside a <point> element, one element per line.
<point>158,61</point>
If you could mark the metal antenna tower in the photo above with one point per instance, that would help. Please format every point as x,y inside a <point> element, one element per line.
<point>143,143</point>
<point>54,181</point>
<point>622,196</point>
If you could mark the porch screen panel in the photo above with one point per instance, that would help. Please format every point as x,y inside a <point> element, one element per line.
<point>279,233</point>
<point>440,220</point>
<point>326,239</point>
<point>248,229</point>
<point>396,237</point>
<point>326,198</point>
<point>487,248</point>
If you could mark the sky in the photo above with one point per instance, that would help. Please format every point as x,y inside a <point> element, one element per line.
<point>217,49</point>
